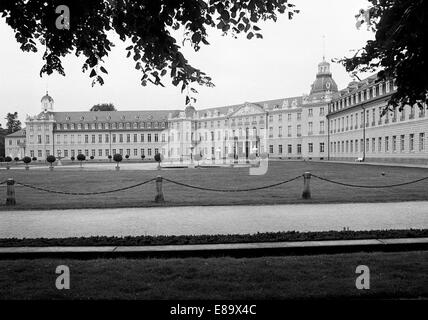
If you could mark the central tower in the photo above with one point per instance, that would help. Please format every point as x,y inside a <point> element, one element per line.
<point>324,81</point>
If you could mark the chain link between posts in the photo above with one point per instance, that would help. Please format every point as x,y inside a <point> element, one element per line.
<point>84,193</point>
<point>232,190</point>
<point>368,186</point>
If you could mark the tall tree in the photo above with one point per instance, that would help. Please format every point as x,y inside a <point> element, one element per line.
<point>103,107</point>
<point>3,133</point>
<point>13,124</point>
<point>400,48</point>
<point>80,26</point>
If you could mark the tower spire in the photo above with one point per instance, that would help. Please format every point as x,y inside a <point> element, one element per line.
<point>323,47</point>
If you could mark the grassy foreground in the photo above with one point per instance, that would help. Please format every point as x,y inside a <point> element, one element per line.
<point>72,180</point>
<point>211,239</point>
<point>392,275</point>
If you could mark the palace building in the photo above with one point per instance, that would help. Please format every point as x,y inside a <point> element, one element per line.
<point>326,124</point>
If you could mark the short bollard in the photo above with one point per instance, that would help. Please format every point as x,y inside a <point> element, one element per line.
<point>306,185</point>
<point>159,192</point>
<point>10,193</point>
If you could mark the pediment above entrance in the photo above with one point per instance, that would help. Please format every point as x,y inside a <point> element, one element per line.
<point>248,109</point>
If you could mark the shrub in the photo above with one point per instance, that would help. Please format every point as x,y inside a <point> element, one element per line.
<point>8,159</point>
<point>72,158</point>
<point>26,160</point>
<point>81,158</point>
<point>127,156</point>
<point>34,159</point>
<point>51,159</point>
<point>16,159</point>
<point>117,158</point>
<point>92,157</point>
<point>109,157</point>
<point>158,157</point>
<point>143,156</point>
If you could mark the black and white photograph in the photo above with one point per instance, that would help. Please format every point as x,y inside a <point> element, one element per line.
<point>213,159</point>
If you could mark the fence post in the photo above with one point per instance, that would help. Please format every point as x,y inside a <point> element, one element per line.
<point>10,192</point>
<point>159,193</point>
<point>306,185</point>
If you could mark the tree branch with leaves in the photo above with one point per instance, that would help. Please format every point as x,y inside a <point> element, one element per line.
<point>148,24</point>
<point>399,51</point>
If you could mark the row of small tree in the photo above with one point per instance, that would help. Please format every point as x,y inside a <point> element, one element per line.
<point>80,157</point>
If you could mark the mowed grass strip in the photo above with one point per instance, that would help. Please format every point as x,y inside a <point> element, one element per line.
<point>392,275</point>
<point>219,178</point>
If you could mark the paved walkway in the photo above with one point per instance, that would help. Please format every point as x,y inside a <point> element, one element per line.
<point>209,220</point>
<point>232,249</point>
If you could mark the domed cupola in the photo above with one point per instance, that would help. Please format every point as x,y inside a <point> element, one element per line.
<point>189,111</point>
<point>47,102</point>
<point>324,81</point>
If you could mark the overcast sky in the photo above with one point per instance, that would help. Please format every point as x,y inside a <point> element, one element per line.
<point>282,64</point>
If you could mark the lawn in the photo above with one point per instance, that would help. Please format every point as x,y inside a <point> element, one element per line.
<point>227,178</point>
<point>392,275</point>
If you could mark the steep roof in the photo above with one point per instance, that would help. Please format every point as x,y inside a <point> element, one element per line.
<point>17,134</point>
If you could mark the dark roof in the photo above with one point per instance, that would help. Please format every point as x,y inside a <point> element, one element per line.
<point>114,116</point>
<point>19,133</point>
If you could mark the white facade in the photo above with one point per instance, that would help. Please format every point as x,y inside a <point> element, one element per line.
<point>326,124</point>
<point>359,129</point>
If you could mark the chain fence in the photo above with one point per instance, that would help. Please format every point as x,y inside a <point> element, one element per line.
<point>84,193</point>
<point>370,186</point>
<point>213,189</point>
<point>232,190</point>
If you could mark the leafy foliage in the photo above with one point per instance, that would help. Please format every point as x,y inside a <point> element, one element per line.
<point>81,157</point>
<point>13,124</point>
<point>103,107</point>
<point>400,49</point>
<point>26,160</point>
<point>8,159</point>
<point>149,25</point>
<point>117,157</point>
<point>51,159</point>
<point>158,157</point>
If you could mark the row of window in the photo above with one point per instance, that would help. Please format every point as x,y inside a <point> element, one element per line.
<point>102,126</point>
<point>298,148</point>
<point>100,138</point>
<point>381,144</point>
<point>351,122</point>
<point>363,95</point>
<point>96,152</point>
